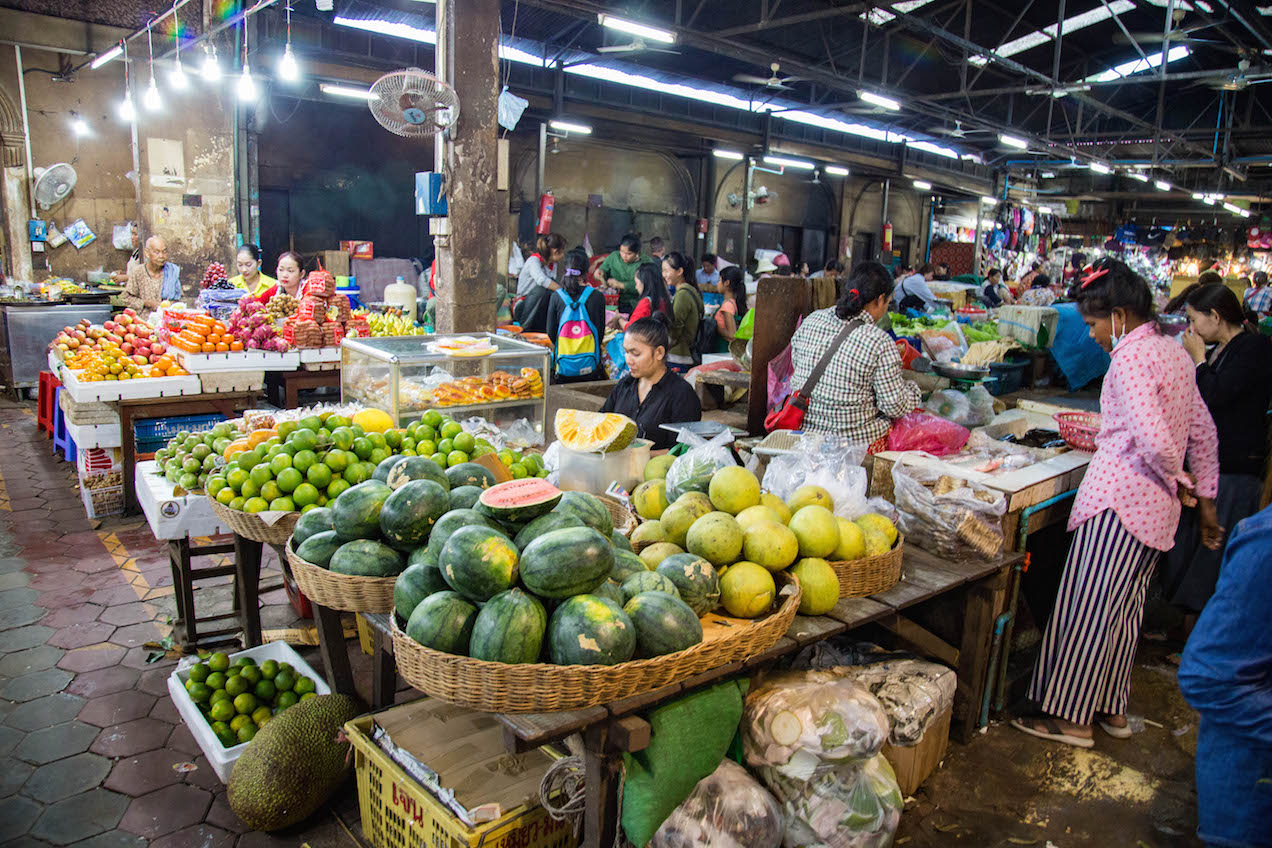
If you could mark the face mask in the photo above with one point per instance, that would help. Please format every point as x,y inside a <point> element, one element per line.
<point>1114,335</point>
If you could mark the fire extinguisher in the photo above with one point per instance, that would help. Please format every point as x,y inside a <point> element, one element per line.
<point>887,239</point>
<point>546,203</point>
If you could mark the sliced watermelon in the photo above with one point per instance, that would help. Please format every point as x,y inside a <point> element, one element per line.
<point>519,500</point>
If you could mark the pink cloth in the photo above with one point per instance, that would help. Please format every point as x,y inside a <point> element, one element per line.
<point>1152,418</point>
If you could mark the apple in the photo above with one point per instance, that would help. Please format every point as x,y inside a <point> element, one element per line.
<point>127,348</point>
<point>143,349</point>
<point>109,325</point>
<point>139,359</point>
<point>158,348</point>
<point>130,311</point>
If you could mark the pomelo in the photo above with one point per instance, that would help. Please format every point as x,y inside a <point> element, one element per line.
<point>816,529</point>
<point>852,542</point>
<point>650,499</point>
<point>716,537</point>
<point>657,552</point>
<point>733,489</point>
<point>770,544</point>
<point>874,521</point>
<point>680,516</point>
<point>656,468</point>
<point>747,590</point>
<point>759,512</point>
<point>807,495</point>
<point>820,586</point>
<point>648,533</point>
<point>776,504</point>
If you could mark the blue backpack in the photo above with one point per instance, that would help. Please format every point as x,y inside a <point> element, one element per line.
<point>577,353</point>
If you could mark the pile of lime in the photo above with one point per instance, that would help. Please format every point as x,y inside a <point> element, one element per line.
<point>190,459</point>
<point>238,699</point>
<point>444,441</point>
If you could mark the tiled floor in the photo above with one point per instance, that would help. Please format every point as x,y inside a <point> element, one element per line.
<point>92,752</point>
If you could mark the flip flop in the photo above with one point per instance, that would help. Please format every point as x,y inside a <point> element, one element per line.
<point>1051,732</point>
<point>1113,730</point>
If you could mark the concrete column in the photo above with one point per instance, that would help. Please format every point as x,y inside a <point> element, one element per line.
<point>467,265</point>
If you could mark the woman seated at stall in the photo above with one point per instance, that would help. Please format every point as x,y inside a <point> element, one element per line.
<point>576,325</point>
<point>861,391</point>
<point>687,310</point>
<point>536,282</point>
<point>1039,293</point>
<point>290,274</point>
<point>249,275</point>
<point>654,297</point>
<point>652,394</point>
<point>732,287</point>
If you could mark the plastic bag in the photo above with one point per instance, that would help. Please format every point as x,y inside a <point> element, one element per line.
<point>747,328</point>
<point>845,806</point>
<point>691,471</point>
<point>727,809</point>
<point>615,356</point>
<point>796,721</point>
<point>781,369</point>
<point>971,408</point>
<point>826,460</point>
<point>923,431</point>
<point>948,515</point>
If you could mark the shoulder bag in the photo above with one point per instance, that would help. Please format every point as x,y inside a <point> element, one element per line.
<point>791,414</point>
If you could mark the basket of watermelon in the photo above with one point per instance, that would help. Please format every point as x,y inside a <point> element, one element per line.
<point>530,601</point>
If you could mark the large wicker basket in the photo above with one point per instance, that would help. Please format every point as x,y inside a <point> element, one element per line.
<point>344,592</point>
<point>860,578</point>
<point>542,687</point>
<point>624,519</point>
<point>250,525</point>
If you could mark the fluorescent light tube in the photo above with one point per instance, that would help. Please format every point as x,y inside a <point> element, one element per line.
<point>879,100</point>
<point>1162,185</point>
<point>789,163</point>
<point>923,184</point>
<point>107,56</point>
<point>727,154</point>
<point>638,30</point>
<point>1136,175</point>
<point>347,91</point>
<point>1198,196</point>
<point>989,201</point>
<point>836,170</point>
<point>1045,210</point>
<point>1012,141</point>
<point>1101,168</point>
<point>566,126</point>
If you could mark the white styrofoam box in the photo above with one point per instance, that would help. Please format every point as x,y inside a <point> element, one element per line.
<point>244,360</point>
<point>221,758</point>
<point>88,436</point>
<point>320,354</point>
<point>172,516</point>
<point>55,363</point>
<point>148,387</point>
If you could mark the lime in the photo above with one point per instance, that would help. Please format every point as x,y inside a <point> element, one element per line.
<point>311,422</point>
<point>464,442</point>
<point>268,669</point>
<point>506,456</point>
<point>356,474</point>
<point>440,459</point>
<point>304,460</point>
<point>455,457</point>
<point>379,455</point>
<point>226,496</point>
<point>260,475</point>
<point>304,685</point>
<point>426,432</point>
<point>272,441</point>
<point>249,490</point>
<point>518,471</point>
<point>286,666</point>
<point>252,674</point>
<point>246,732</point>
<point>254,505</point>
<point>342,437</point>
<point>240,720</point>
<point>319,475</point>
<point>289,479</point>
<point>393,438</point>
<point>237,503</point>
<point>237,685</point>
<point>336,461</point>
<point>271,490</point>
<point>201,693</point>
<point>432,418</point>
<point>198,673</point>
<point>304,440</point>
<point>262,714</point>
<point>188,482</point>
<point>283,504</point>
<point>408,443</point>
<point>245,703</point>
<point>215,485</point>
<point>233,671</point>
<point>224,735</point>
<point>446,446</point>
<point>426,447</point>
<point>336,421</point>
<point>216,680</point>
<point>284,680</point>
<point>218,662</point>
<point>285,700</point>
<point>286,428</point>
<point>280,462</point>
<point>307,507</point>
<point>407,452</point>
<point>337,486</point>
<point>244,661</point>
<point>306,494</point>
<point>362,447</point>
<point>308,696</point>
<point>218,695</point>
<point>191,465</point>
<point>222,711</point>
<point>450,430</point>
<point>377,440</point>
<point>358,430</point>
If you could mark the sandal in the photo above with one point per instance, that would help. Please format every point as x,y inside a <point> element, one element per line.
<point>1113,730</point>
<point>1044,727</point>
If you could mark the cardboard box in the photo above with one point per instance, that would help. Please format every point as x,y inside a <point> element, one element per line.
<point>335,262</point>
<point>915,763</point>
<point>359,249</point>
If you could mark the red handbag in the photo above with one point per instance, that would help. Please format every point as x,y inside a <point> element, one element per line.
<point>790,415</point>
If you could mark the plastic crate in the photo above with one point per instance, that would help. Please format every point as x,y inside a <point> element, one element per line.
<point>99,503</point>
<point>397,812</point>
<point>1009,376</point>
<point>162,429</point>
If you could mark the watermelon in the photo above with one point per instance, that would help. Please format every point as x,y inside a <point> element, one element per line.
<point>648,581</point>
<point>588,508</point>
<point>415,584</point>
<point>464,497</point>
<point>509,629</point>
<point>367,558</point>
<point>609,589</point>
<point>470,474</point>
<point>626,564</point>
<point>444,622</point>
<point>421,556</point>
<point>356,512</point>
<point>618,540</point>
<point>479,563</point>
<point>411,511</point>
<point>695,579</point>
<point>590,630</point>
<point>414,468</point>
<point>519,500</point>
<point>544,524</point>
<point>312,522</point>
<point>452,521</point>
<point>664,623</point>
<point>566,562</point>
<point>318,548</point>
<point>382,470</point>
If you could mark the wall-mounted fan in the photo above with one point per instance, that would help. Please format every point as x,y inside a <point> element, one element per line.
<point>52,185</point>
<point>413,103</point>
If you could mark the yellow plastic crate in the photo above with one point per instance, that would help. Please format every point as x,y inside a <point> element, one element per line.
<point>399,813</point>
<point>366,639</point>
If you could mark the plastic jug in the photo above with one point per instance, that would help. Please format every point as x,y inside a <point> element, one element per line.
<point>402,295</point>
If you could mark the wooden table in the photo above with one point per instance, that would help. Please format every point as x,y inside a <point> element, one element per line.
<point>228,404</point>
<point>283,388</point>
<point>611,729</point>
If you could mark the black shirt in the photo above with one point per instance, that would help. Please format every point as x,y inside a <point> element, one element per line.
<point>1237,389</point>
<point>670,401</point>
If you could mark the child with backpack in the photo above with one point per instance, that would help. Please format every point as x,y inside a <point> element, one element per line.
<point>576,325</point>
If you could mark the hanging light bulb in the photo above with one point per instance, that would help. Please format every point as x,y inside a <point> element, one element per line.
<point>177,78</point>
<point>126,111</point>
<point>151,99</point>
<point>211,68</point>
<point>288,69</point>
<point>246,85</point>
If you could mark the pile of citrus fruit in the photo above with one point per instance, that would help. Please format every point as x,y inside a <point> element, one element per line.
<point>189,459</point>
<point>238,699</point>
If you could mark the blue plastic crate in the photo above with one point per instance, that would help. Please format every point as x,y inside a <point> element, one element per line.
<point>164,429</point>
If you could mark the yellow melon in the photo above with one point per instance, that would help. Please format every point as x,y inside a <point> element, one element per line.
<point>594,432</point>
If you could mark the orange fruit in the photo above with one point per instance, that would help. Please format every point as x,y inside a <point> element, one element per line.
<point>257,436</point>
<point>237,447</point>
<point>222,347</point>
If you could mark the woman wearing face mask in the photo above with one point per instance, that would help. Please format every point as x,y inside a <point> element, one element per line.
<point>652,394</point>
<point>290,274</point>
<point>687,310</point>
<point>1126,510</point>
<point>249,274</point>
<point>1235,381</point>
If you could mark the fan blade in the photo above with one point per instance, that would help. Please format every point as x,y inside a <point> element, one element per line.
<point>794,79</point>
<point>751,79</point>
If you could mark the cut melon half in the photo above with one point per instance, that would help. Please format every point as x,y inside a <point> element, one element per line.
<point>594,432</point>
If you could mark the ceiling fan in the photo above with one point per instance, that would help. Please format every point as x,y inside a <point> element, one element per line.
<point>1241,79</point>
<point>957,132</point>
<point>636,45</point>
<point>773,81</point>
<point>1178,35</point>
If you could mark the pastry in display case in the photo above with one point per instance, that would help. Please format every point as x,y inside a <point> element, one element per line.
<point>496,377</point>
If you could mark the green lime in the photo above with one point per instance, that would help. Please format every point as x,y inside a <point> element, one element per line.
<point>237,685</point>
<point>215,485</point>
<point>271,490</point>
<point>286,428</point>
<point>393,438</point>
<point>261,715</point>
<point>464,442</point>
<point>249,490</point>
<point>432,418</point>
<point>216,680</point>
<point>304,440</point>
<point>224,735</point>
<point>450,430</point>
<point>222,711</point>
<point>506,457</point>
<point>218,661</point>
<point>319,475</point>
<point>260,475</point>
<point>268,669</point>
<point>377,440</point>
<point>455,457</point>
<point>286,666</point>
<point>284,680</point>
<point>426,447</point>
<point>356,474</point>
<point>235,478</point>
<point>426,432</point>
<point>201,693</point>
<point>307,507</point>
<point>358,430</point>
<point>362,447</point>
<point>237,504</point>
<point>198,673</point>
<point>342,438</point>
<point>337,486</point>
<point>406,452</point>
<point>189,482</point>
<point>440,459</point>
<point>240,720</point>
<point>219,695</point>
<point>446,446</point>
<point>245,703</point>
<point>379,455</point>
<point>244,661</point>
<point>246,732</point>
<point>289,479</point>
<point>254,505</point>
<point>518,470</point>
<point>335,462</point>
<point>283,504</point>
<point>304,685</point>
<point>408,443</point>
<point>252,674</point>
<point>308,696</point>
<point>306,494</point>
<point>226,496</point>
<point>311,422</point>
<point>304,460</point>
<point>285,700</point>
<point>265,690</point>
<point>280,462</point>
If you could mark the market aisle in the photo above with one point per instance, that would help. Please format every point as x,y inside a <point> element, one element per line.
<point>92,751</point>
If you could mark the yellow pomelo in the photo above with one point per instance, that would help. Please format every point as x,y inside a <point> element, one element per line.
<point>874,521</point>
<point>373,420</point>
<point>776,504</point>
<point>807,495</point>
<point>656,468</point>
<point>680,516</point>
<point>716,537</point>
<point>770,544</point>
<point>817,531</point>
<point>650,499</point>
<point>820,586</point>
<point>747,590</point>
<point>733,489</point>
<point>752,514</point>
<point>876,543</point>
<point>852,542</point>
<point>648,533</point>
<point>658,552</point>
<point>697,498</point>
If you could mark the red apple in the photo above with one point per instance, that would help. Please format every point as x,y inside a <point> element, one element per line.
<point>130,311</point>
<point>157,349</point>
<point>127,348</point>
<point>109,325</point>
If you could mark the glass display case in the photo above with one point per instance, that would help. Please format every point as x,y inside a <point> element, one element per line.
<point>408,375</point>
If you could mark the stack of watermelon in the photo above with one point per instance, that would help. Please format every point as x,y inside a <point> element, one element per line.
<point>516,572</point>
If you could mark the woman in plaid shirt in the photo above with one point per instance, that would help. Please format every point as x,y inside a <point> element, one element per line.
<point>862,391</point>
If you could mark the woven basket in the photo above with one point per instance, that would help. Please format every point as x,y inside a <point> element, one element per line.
<point>860,578</point>
<point>543,687</point>
<point>250,526</point>
<point>624,519</point>
<point>343,592</point>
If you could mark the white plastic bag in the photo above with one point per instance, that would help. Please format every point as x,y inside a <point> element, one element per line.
<point>692,470</point>
<point>948,515</point>
<point>826,460</point>
<point>727,809</point>
<point>840,806</point>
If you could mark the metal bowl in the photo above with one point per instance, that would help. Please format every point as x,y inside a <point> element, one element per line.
<point>959,371</point>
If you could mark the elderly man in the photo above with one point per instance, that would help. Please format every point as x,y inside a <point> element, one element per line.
<point>154,280</point>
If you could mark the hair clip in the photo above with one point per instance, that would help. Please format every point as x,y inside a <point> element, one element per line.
<point>854,291</point>
<point>573,272</point>
<point>1092,277</point>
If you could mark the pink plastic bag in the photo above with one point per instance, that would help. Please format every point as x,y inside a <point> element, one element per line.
<point>781,369</point>
<point>924,431</point>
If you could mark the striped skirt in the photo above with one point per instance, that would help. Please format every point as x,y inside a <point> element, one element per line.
<point>1089,647</point>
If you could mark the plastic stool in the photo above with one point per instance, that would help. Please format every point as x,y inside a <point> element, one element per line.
<point>62,440</point>
<point>46,403</point>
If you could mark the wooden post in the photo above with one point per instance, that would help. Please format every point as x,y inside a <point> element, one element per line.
<point>780,302</point>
